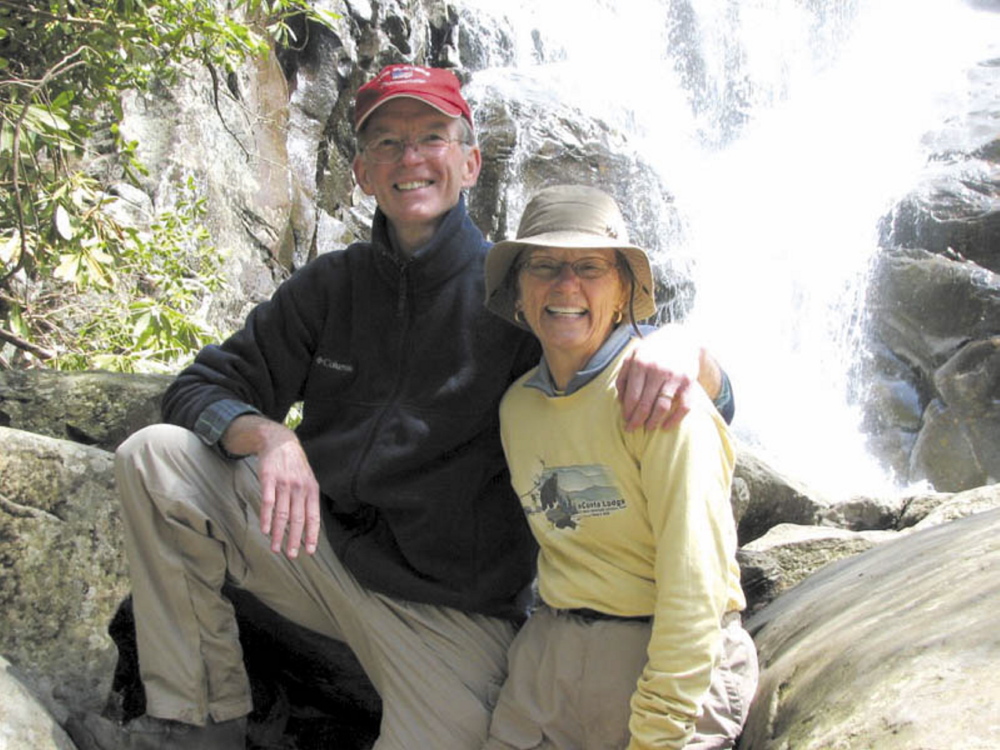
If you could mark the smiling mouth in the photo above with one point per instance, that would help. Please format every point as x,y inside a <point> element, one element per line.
<point>416,185</point>
<point>573,312</point>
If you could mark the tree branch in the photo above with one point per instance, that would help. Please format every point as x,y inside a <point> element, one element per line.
<point>27,346</point>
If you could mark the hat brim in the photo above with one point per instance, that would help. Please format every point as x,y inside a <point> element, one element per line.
<point>501,293</point>
<point>441,105</point>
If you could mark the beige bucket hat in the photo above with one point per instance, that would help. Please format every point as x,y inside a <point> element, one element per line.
<point>567,216</point>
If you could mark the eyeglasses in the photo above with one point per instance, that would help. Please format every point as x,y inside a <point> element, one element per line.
<point>547,269</point>
<point>389,150</point>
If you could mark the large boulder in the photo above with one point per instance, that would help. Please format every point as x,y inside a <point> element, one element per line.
<point>959,444</point>
<point>931,408</point>
<point>63,568</point>
<point>768,497</point>
<point>893,649</point>
<point>789,553</point>
<point>93,408</point>
<point>926,306</point>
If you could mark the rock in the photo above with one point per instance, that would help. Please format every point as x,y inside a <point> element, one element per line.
<point>865,513</point>
<point>771,498</point>
<point>924,306</point>
<point>893,649</point>
<point>63,568</point>
<point>935,321</point>
<point>25,724</point>
<point>957,211</point>
<point>961,505</point>
<point>917,507</point>
<point>93,408</point>
<point>788,553</point>
<point>958,447</point>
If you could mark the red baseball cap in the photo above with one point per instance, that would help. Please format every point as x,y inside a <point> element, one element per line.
<point>434,86</point>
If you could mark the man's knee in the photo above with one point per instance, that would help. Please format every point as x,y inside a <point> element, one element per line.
<point>165,464</point>
<point>150,442</point>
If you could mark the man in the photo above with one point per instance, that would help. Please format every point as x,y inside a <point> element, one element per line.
<point>394,485</point>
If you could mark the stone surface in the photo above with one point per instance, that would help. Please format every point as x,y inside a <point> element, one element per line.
<point>961,505</point>
<point>93,408</point>
<point>894,649</point>
<point>790,553</point>
<point>770,497</point>
<point>62,570</point>
<point>936,319</point>
<point>24,722</point>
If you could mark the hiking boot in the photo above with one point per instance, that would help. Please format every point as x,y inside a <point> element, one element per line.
<point>149,733</point>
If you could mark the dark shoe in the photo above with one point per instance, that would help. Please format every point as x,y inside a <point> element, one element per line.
<point>148,733</point>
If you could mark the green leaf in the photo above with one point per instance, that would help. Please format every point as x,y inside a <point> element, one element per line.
<point>141,327</point>
<point>326,18</point>
<point>9,248</point>
<point>63,223</point>
<point>68,269</point>
<point>43,118</point>
<point>6,138</point>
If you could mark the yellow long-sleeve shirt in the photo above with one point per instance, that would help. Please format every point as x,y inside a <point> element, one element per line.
<point>632,524</point>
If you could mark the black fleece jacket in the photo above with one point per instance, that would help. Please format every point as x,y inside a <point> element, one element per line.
<point>400,368</point>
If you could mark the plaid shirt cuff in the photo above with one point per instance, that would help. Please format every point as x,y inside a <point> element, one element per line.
<point>215,419</point>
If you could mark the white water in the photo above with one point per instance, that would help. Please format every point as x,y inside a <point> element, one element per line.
<point>780,205</point>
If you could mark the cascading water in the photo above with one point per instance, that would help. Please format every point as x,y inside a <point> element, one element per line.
<point>785,129</point>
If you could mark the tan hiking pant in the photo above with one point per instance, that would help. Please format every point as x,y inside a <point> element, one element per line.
<point>570,683</point>
<point>191,524</point>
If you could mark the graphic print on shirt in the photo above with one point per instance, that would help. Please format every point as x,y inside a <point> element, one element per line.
<point>566,494</point>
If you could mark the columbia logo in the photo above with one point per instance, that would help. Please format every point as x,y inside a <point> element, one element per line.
<point>330,364</point>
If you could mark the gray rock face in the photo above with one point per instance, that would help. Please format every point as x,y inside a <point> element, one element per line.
<point>24,722</point>
<point>937,320</point>
<point>64,572</point>
<point>92,408</point>
<point>790,553</point>
<point>769,498</point>
<point>893,649</point>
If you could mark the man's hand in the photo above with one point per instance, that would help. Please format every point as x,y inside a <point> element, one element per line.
<point>289,502</point>
<point>654,384</point>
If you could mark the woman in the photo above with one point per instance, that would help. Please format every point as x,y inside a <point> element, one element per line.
<point>637,641</point>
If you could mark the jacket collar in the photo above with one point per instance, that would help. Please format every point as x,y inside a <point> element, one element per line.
<point>455,244</point>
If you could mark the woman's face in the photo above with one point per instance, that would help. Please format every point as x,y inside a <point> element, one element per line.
<point>572,309</point>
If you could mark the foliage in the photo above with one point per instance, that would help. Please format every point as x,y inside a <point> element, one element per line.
<point>161,276</point>
<point>64,65</point>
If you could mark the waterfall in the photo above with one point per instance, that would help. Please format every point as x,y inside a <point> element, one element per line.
<point>784,129</point>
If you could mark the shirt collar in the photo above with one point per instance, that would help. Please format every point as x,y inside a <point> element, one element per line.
<point>542,377</point>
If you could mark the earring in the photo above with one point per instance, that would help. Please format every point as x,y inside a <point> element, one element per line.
<point>618,316</point>
<point>519,317</point>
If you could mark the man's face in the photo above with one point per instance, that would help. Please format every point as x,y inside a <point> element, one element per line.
<point>418,189</point>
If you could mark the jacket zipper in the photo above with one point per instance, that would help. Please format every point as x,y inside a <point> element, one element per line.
<point>402,313</point>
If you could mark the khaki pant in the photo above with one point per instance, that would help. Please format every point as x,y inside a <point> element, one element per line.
<point>570,683</point>
<point>191,524</point>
